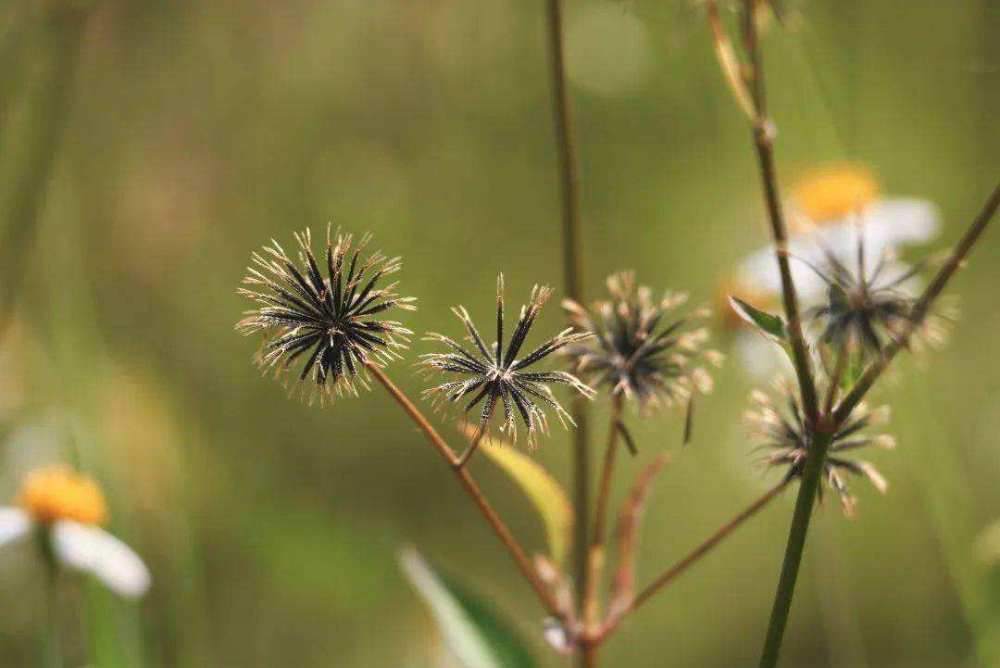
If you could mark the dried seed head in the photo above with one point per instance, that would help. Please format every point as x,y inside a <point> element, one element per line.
<point>787,438</point>
<point>494,375</point>
<point>333,324</point>
<point>866,307</point>
<point>639,350</point>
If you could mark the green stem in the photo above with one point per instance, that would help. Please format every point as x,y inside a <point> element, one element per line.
<point>808,487</point>
<point>31,140</point>
<point>51,644</point>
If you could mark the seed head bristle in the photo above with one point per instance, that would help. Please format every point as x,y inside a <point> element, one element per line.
<point>334,322</point>
<point>494,375</point>
<point>636,351</point>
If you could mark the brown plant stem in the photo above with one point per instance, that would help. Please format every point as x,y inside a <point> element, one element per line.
<point>596,557</point>
<point>763,141</point>
<point>923,305</point>
<point>470,486</point>
<point>572,269</point>
<point>763,132</point>
<point>588,656</point>
<point>692,557</point>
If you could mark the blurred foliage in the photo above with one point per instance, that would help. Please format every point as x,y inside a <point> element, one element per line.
<point>196,131</point>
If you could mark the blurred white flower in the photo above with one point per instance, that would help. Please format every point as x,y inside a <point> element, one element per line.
<point>827,211</point>
<point>66,508</point>
<point>830,211</point>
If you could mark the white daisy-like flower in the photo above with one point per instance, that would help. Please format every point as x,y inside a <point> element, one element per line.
<point>66,509</point>
<point>830,211</point>
<point>827,210</point>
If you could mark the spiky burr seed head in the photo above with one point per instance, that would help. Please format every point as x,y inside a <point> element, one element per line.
<point>334,323</point>
<point>641,348</point>
<point>868,307</point>
<point>494,375</point>
<point>780,428</point>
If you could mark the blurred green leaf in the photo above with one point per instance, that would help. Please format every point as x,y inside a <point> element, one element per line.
<point>772,326</point>
<point>547,495</point>
<point>471,627</point>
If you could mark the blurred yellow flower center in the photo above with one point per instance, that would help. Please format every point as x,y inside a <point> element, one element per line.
<point>61,494</point>
<point>833,193</point>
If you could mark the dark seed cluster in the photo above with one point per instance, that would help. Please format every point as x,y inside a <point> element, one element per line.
<point>641,349</point>
<point>780,429</point>
<point>493,375</point>
<point>334,323</point>
<point>866,309</point>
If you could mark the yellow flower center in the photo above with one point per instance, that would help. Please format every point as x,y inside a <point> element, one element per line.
<point>833,193</point>
<point>61,494</point>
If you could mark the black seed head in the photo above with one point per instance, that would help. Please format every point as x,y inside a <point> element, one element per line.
<point>866,308</point>
<point>641,348</point>
<point>332,324</point>
<point>780,428</point>
<point>495,375</point>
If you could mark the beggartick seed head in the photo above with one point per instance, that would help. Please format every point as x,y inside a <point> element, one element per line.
<point>780,428</point>
<point>642,348</point>
<point>52,494</point>
<point>869,305</point>
<point>334,324</point>
<point>494,375</point>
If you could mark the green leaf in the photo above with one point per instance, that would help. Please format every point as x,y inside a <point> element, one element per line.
<point>772,326</point>
<point>471,627</point>
<point>547,495</point>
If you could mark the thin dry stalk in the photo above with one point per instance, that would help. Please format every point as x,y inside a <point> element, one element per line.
<point>517,552</point>
<point>597,550</point>
<point>572,267</point>
<point>690,559</point>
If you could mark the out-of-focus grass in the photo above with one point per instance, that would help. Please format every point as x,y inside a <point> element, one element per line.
<point>201,130</point>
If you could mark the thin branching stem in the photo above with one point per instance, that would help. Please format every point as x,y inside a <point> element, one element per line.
<point>706,546</point>
<point>470,486</point>
<point>923,305</point>
<point>763,134</point>
<point>477,438</point>
<point>839,369</point>
<point>801,517</point>
<point>572,269</point>
<point>597,551</point>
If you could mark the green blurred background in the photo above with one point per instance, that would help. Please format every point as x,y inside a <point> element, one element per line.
<point>196,131</point>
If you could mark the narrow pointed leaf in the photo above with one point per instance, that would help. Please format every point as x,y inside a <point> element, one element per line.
<point>472,629</point>
<point>629,520</point>
<point>772,326</point>
<point>547,495</point>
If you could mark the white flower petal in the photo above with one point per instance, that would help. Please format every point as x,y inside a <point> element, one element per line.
<point>763,359</point>
<point>886,224</point>
<point>97,552</point>
<point>759,270</point>
<point>902,221</point>
<point>14,524</point>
